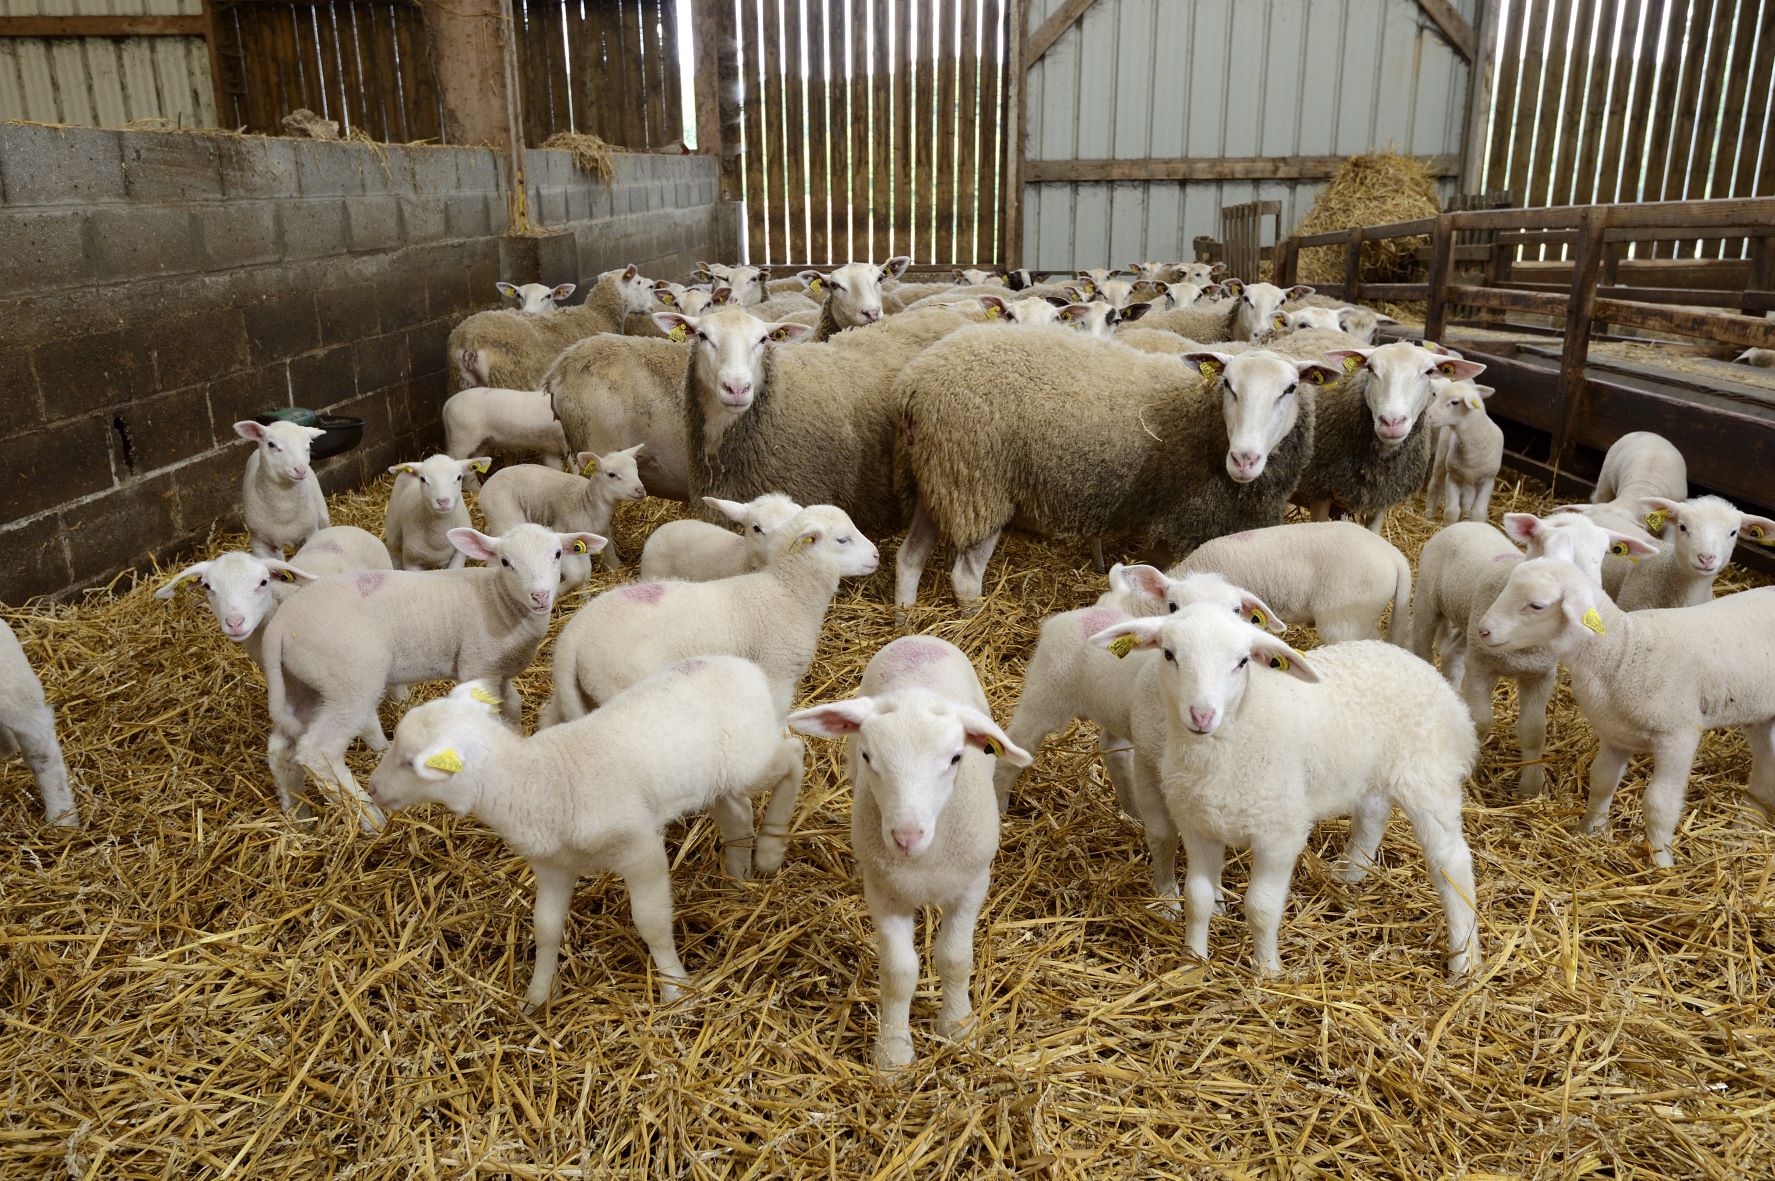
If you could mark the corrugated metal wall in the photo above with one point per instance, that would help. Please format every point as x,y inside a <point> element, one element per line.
<point>1223,78</point>
<point>105,81</point>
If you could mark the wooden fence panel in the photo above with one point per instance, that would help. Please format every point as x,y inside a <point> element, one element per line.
<point>607,68</point>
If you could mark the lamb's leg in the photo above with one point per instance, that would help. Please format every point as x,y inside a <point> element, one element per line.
<point>1205,859</point>
<point>609,558</point>
<point>1367,824</point>
<point>554,890</point>
<point>1481,507</point>
<point>1532,696</point>
<point>1321,510</point>
<point>648,876</point>
<point>1340,628</point>
<point>953,953</point>
<point>1671,761</point>
<point>1272,867</point>
<point>322,752</point>
<point>1161,832</point>
<point>511,702</point>
<point>1476,688</point>
<point>898,951</point>
<point>773,832</point>
<point>263,549</point>
<point>733,816</point>
<point>970,571</point>
<point>286,774</point>
<point>1044,707</point>
<point>1377,521</point>
<point>1118,763</point>
<point>1453,496</point>
<point>457,561</point>
<point>909,562</point>
<point>1451,649</point>
<point>1605,777</point>
<point>1450,864</point>
<point>1425,629</point>
<point>1761,738</point>
<point>35,738</point>
<point>1097,560</point>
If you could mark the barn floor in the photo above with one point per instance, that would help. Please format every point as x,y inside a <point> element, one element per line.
<point>195,987</point>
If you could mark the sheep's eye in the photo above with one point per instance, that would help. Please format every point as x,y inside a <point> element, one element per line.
<point>1537,606</point>
<point>1291,388</point>
<point>844,541</point>
<point>1683,528</point>
<point>1171,656</point>
<point>506,562</point>
<point>557,554</point>
<point>264,582</point>
<point>612,475</point>
<point>955,758</point>
<point>1243,661</point>
<point>1173,607</point>
<point>866,758</point>
<point>1231,392</point>
<point>758,528</point>
<point>272,445</point>
<point>1733,533</point>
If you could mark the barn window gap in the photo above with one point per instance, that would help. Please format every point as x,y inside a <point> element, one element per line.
<point>124,443</point>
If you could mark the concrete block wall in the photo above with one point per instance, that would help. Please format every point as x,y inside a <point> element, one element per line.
<point>662,213</point>
<point>155,288</point>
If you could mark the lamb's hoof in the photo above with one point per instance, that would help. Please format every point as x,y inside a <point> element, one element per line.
<point>669,992</point>
<point>970,608</point>
<point>1350,872</point>
<point>893,1053</point>
<point>1662,859</point>
<point>954,1028</point>
<point>1462,965</point>
<point>1585,826</point>
<point>901,616</point>
<point>1169,906</point>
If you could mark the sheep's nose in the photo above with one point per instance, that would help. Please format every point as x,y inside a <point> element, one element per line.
<point>445,506</point>
<point>300,470</point>
<point>542,598</point>
<point>736,391</point>
<point>1201,718</point>
<point>907,838</point>
<point>235,622</point>
<point>640,492</point>
<point>1707,561</point>
<point>871,315</point>
<point>1485,633</point>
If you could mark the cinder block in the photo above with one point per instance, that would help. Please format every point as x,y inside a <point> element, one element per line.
<point>401,292</point>
<point>434,170</point>
<point>245,394</point>
<point>427,346</point>
<point>373,223</point>
<point>238,234</point>
<point>200,346</point>
<point>165,168</point>
<point>381,362</point>
<point>554,206</point>
<point>601,197</point>
<point>42,249</point>
<point>142,241</point>
<point>446,293</point>
<point>257,166</point>
<point>347,313</point>
<point>329,169</point>
<point>54,465</point>
<point>79,374</point>
<point>36,560</point>
<point>119,530</point>
<point>477,170</point>
<point>166,429</point>
<point>280,326</point>
<point>345,472</point>
<point>21,409</point>
<point>60,165</point>
<point>423,219</point>
<point>323,378</point>
<point>312,227</point>
<point>465,215</point>
<point>209,489</point>
<point>579,202</point>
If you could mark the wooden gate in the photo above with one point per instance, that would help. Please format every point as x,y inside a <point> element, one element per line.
<point>871,128</point>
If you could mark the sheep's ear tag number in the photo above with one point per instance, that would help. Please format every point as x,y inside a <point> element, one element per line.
<point>480,467</point>
<point>1351,364</point>
<point>1655,521</point>
<point>1281,662</point>
<point>1593,621</point>
<point>677,333</point>
<point>485,698</point>
<point>1209,368</point>
<point>580,547</point>
<point>445,760</point>
<point>1121,646</point>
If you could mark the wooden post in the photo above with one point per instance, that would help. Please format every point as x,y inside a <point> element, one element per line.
<point>1479,83</point>
<point>1287,261</point>
<point>1586,273</point>
<point>212,41</point>
<point>1442,263</point>
<point>1353,266</point>
<point>705,35</point>
<point>1016,151</point>
<point>475,46</point>
<point>1762,269</point>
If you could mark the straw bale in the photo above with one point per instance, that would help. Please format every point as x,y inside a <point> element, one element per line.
<point>194,986</point>
<point>592,155</point>
<point>1370,190</point>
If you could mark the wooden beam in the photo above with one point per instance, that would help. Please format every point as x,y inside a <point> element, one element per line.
<point>1579,315</point>
<point>101,26</point>
<point>1479,85</point>
<point>704,31</point>
<point>1043,38</point>
<point>1206,168</point>
<point>212,43</point>
<point>1016,151</point>
<point>1454,26</point>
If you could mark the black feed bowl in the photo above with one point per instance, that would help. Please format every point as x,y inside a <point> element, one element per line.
<point>342,433</point>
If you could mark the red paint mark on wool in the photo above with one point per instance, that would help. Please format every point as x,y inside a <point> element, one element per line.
<point>1095,620</point>
<point>1512,556</point>
<point>694,664</point>
<point>370,582</point>
<point>1247,535</point>
<point>644,592</point>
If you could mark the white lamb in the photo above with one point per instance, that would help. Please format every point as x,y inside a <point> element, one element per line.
<point>1070,678</point>
<point>565,502</point>
<point>771,616</point>
<point>333,650</point>
<point>696,551</point>
<point>1262,743</point>
<point>516,422</point>
<point>424,507</point>
<point>1641,464</point>
<point>281,500</point>
<point>919,740</point>
<point>1699,536</point>
<point>537,298</point>
<point>27,726</point>
<point>1652,680</point>
<point>699,736</point>
<point>1469,450</point>
<point>1335,576</point>
<point>1762,358</point>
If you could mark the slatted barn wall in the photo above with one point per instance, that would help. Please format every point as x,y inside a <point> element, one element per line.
<point>604,67</point>
<point>1634,100</point>
<point>1210,79</point>
<point>105,81</point>
<point>872,128</point>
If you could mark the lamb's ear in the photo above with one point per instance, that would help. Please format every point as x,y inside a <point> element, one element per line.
<point>1267,650</point>
<point>721,296</point>
<point>1521,527</point>
<point>630,271</point>
<point>835,719</point>
<point>1298,291</point>
<point>478,464</point>
<point>1152,285</point>
<point>1279,321</point>
<point>1758,529</point>
<point>1218,268</point>
<point>1149,582</point>
<point>994,307</point>
<point>1233,287</point>
<point>1349,360</point>
<point>506,289</point>
<point>284,572</point>
<point>564,292</point>
<point>584,460</point>
<point>663,296</point>
<point>1657,504</point>
<point>1217,290</point>
<point>983,733</point>
<point>1136,310</point>
<point>702,273</point>
<point>1258,613</point>
<point>787,332</point>
<point>171,586</point>
<point>1625,545</point>
<point>404,469</point>
<point>675,325</point>
<point>1058,301</point>
<point>1122,638</point>
<point>1577,602</point>
<point>1074,311</point>
<point>1484,391</point>
<point>813,281</point>
<point>958,275</point>
<point>438,761</point>
<point>733,510</point>
<point>474,543</point>
<point>581,543</point>
<point>1458,368</point>
<point>483,692</point>
<point>896,266</point>
<point>250,430</point>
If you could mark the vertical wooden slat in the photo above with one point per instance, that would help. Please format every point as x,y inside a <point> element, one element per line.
<point>606,121</point>
<point>1014,121</point>
<point>727,83</point>
<point>671,77</point>
<point>1761,90</point>
<point>906,83</point>
<point>634,86</point>
<point>775,143</point>
<point>881,116</point>
<point>796,247</point>
<point>819,129</point>
<point>967,148</point>
<point>652,72</point>
<point>1505,123</point>
<point>947,62</point>
<point>1716,142</point>
<point>1528,96</point>
<point>1699,64</point>
<point>1580,76</point>
<point>554,61</point>
<point>755,143</point>
<point>388,111</point>
<point>859,126</point>
<point>1553,81</point>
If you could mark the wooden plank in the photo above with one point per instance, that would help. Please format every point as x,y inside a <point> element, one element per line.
<point>387,79</point>
<point>1539,177</point>
<point>966,194</point>
<point>881,142</point>
<point>1043,38</point>
<point>856,135</point>
<point>212,44</point>
<point>1501,131</point>
<point>424,101</point>
<point>1002,138</point>
<point>776,166</point>
<point>557,88</point>
<point>727,82</point>
<point>1015,151</point>
<point>824,36</point>
<point>706,75</point>
<point>1454,27</point>
<point>906,81</point>
<point>1477,112</point>
<point>1441,272</point>
<point>102,26</point>
<point>634,74</point>
<point>796,147</point>
<point>1580,312</point>
<point>1208,168</point>
<point>945,132</point>
<point>757,181</point>
<point>671,75</point>
<point>653,72</point>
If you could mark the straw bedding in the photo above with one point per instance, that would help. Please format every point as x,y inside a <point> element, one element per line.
<point>194,986</point>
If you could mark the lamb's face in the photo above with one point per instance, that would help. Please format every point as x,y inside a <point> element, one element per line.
<point>727,353</point>
<point>1545,602</point>
<point>241,589</point>
<point>748,285</point>
<point>619,473</point>
<point>977,278</point>
<point>1201,274</point>
<point>1258,305</point>
<point>1031,310</point>
<point>283,447</point>
<point>440,479</point>
<point>764,520</point>
<point>1259,399</point>
<point>528,558</point>
<point>1574,538</point>
<point>634,291</point>
<point>853,289</point>
<point>1397,388</point>
<point>1706,530</point>
<point>1452,401</point>
<point>829,531</point>
<point>1326,318</point>
<point>1213,590</point>
<point>668,295</point>
<point>696,300</point>
<point>435,746</point>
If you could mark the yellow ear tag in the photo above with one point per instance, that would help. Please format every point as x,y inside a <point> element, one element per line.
<point>579,547</point>
<point>816,286</point>
<point>1351,364</point>
<point>677,333</point>
<point>485,698</point>
<point>1476,403</point>
<point>481,466</point>
<point>1121,646</point>
<point>992,312</point>
<point>1260,619</point>
<point>1619,549</point>
<point>1279,321</point>
<point>989,746</point>
<point>1760,535</point>
<point>1281,662</point>
<point>667,298</point>
<point>445,760</point>
<point>1067,316</point>
<point>1431,345</point>
<point>283,576</point>
<point>1655,521</point>
<point>1208,368</point>
<point>1593,621</point>
<point>1446,370</point>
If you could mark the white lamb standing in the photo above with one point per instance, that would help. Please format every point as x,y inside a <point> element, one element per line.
<point>565,502</point>
<point>537,298</point>
<point>771,616</point>
<point>336,646</point>
<point>425,506</point>
<point>1654,680</point>
<point>1469,450</point>
<point>696,551</point>
<point>919,740</point>
<point>1699,536</point>
<point>281,500</point>
<point>1336,576</point>
<point>701,735</point>
<point>516,422</point>
<point>27,727</point>
<point>1070,677</point>
<point>1262,743</point>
